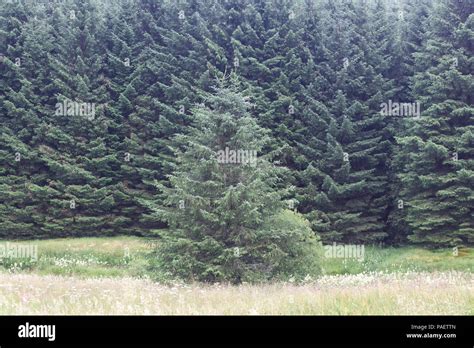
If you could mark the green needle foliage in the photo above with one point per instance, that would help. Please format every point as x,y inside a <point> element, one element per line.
<point>225,213</point>
<point>315,74</point>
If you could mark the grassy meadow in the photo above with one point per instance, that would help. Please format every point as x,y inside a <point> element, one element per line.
<point>110,276</point>
<point>376,293</point>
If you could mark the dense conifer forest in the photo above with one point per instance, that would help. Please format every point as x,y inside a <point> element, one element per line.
<point>357,116</point>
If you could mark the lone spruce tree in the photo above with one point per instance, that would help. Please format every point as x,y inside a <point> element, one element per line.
<point>226,218</point>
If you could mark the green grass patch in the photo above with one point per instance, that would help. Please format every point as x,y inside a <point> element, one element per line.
<point>402,259</point>
<point>87,257</point>
<point>127,256</point>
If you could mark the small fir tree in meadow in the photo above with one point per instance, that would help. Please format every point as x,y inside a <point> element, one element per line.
<point>227,221</point>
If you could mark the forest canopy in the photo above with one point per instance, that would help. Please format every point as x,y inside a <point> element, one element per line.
<point>364,107</point>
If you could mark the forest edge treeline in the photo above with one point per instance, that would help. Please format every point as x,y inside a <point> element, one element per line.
<point>316,73</point>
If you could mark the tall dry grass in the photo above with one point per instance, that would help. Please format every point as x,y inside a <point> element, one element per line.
<point>373,293</point>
